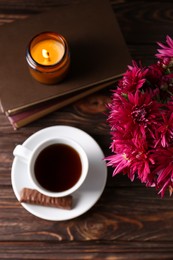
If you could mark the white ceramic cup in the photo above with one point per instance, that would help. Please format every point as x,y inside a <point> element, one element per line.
<point>30,156</point>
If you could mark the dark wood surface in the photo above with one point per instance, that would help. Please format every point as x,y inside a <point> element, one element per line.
<point>129,221</point>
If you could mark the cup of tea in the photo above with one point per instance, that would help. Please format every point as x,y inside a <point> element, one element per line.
<point>56,167</point>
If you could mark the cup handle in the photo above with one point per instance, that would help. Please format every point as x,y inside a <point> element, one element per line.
<point>22,152</point>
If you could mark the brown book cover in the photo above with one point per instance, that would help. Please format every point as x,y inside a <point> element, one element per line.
<point>98,53</point>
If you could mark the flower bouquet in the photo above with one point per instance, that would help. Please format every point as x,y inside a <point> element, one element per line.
<point>141,122</point>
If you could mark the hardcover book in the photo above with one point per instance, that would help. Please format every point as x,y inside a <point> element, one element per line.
<point>99,55</point>
<point>35,112</point>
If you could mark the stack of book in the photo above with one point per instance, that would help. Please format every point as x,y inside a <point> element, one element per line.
<point>99,56</point>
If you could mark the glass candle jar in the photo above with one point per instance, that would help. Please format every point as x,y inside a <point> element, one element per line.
<point>48,57</point>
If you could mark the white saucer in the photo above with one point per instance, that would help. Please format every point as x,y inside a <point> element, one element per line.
<point>86,196</point>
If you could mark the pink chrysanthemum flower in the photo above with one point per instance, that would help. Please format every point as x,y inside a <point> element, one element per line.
<point>133,160</point>
<point>166,129</point>
<point>137,114</point>
<point>133,78</point>
<point>164,169</point>
<point>165,54</point>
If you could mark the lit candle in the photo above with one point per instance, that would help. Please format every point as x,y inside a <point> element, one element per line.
<point>48,57</point>
<point>47,52</point>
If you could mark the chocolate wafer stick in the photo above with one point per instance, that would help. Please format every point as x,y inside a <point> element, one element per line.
<point>34,197</point>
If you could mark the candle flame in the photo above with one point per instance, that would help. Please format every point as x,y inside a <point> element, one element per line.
<point>45,54</point>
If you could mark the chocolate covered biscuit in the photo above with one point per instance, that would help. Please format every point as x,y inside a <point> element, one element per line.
<point>34,197</point>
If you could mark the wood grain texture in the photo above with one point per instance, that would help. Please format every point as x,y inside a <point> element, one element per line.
<point>129,221</point>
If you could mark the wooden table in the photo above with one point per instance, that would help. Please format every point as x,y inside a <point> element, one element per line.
<point>129,221</point>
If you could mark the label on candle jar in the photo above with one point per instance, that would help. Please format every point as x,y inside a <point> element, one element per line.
<point>47,52</point>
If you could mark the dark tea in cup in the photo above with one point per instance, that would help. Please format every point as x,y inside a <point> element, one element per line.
<point>58,167</point>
